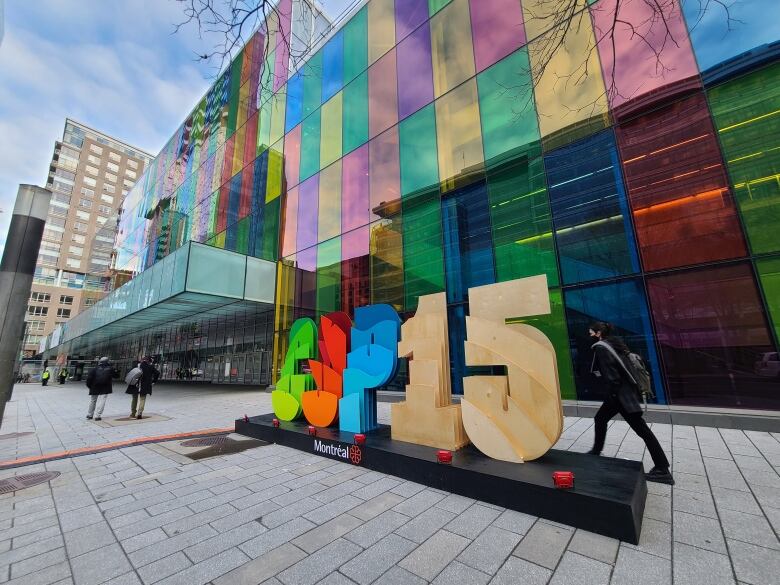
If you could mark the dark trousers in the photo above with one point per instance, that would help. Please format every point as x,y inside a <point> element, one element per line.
<point>609,409</point>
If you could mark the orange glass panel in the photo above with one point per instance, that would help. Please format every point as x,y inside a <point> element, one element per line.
<point>381,28</point>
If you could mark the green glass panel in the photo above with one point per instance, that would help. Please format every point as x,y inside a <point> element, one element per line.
<point>216,272</point>
<point>310,146</point>
<point>356,45</point>
<point>520,213</point>
<point>312,84</point>
<point>329,276</point>
<point>242,236</point>
<point>746,111</point>
<point>769,275</point>
<point>355,114</point>
<point>554,327</point>
<point>278,106</point>
<point>264,128</point>
<point>435,5</point>
<point>270,248</point>
<point>508,118</point>
<point>423,256</point>
<point>419,160</point>
<point>235,86</point>
<point>213,207</point>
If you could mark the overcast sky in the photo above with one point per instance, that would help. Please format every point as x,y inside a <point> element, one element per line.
<point>111,64</point>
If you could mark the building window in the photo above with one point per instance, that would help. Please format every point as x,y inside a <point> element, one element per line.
<point>109,188</point>
<point>104,209</point>
<point>114,168</point>
<point>92,170</point>
<point>37,311</point>
<point>53,235</point>
<point>64,313</point>
<point>62,186</point>
<point>89,181</point>
<point>96,149</point>
<point>110,177</point>
<point>72,263</point>
<point>93,159</point>
<point>132,164</point>
<point>36,326</point>
<point>85,203</point>
<point>128,183</point>
<point>40,297</point>
<point>131,174</point>
<point>82,215</point>
<point>114,156</point>
<point>107,198</point>
<point>87,192</point>
<point>66,300</point>
<point>76,250</point>
<point>79,227</point>
<point>89,302</point>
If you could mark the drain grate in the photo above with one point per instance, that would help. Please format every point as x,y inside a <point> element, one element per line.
<point>15,435</point>
<point>20,482</point>
<point>205,441</point>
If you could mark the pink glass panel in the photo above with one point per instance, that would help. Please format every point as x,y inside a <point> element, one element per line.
<point>643,50</point>
<point>415,72</point>
<point>282,56</point>
<point>292,156</point>
<point>409,14</point>
<point>382,95</point>
<point>355,270</point>
<point>385,174</point>
<point>290,219</point>
<point>497,29</point>
<point>354,191</point>
<point>308,197</point>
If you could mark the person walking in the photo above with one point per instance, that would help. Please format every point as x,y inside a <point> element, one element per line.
<point>45,377</point>
<point>609,365</point>
<point>133,380</point>
<point>149,375</point>
<point>63,375</point>
<point>99,381</point>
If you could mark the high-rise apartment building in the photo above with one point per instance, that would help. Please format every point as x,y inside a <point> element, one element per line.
<point>89,175</point>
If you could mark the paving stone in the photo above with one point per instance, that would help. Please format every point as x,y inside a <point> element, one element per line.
<point>408,489</point>
<point>455,503</point>
<point>634,567</point>
<point>335,508</point>
<point>164,567</point>
<point>31,550</point>
<point>37,536</point>
<point>336,578</point>
<point>594,546</point>
<point>209,569</point>
<point>699,503</point>
<point>659,508</point>
<point>693,566</point>
<point>375,560</point>
<point>459,574</point>
<point>754,564</point>
<point>690,482</point>
<point>768,496</point>
<point>516,570</point>
<point>473,521</point>
<point>377,528</point>
<point>80,518</point>
<point>223,541</point>
<point>490,549</point>
<point>375,506</point>
<point>88,538</point>
<point>141,540</point>
<point>698,531</point>
<point>38,562</point>
<point>45,576</point>
<point>372,490</point>
<point>318,537</point>
<point>656,538</point>
<point>575,569</point>
<point>748,528</point>
<point>430,558</point>
<point>195,520</point>
<point>99,566</point>
<point>739,501</point>
<point>422,527</point>
<point>276,537</point>
<point>129,518</point>
<point>516,522</point>
<point>263,567</point>
<point>544,544</point>
<point>159,550</point>
<point>287,513</point>
<point>317,565</point>
<point>418,503</point>
<point>256,512</point>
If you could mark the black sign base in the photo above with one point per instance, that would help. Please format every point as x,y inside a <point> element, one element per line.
<point>608,495</point>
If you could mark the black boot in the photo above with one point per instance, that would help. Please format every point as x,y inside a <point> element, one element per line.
<point>660,475</point>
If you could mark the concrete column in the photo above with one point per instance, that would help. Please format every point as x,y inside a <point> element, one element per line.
<point>16,274</point>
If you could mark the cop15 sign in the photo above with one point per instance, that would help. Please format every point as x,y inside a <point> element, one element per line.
<point>515,417</point>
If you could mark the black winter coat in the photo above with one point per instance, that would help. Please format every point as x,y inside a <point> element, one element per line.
<point>100,379</point>
<point>149,375</point>
<point>615,379</point>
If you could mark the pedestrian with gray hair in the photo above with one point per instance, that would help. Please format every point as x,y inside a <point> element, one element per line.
<point>99,381</point>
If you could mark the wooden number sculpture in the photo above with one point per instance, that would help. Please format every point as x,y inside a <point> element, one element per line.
<point>516,417</point>
<point>427,416</point>
<point>286,399</point>
<point>321,406</point>
<point>372,362</point>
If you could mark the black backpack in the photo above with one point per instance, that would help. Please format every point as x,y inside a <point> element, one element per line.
<point>103,376</point>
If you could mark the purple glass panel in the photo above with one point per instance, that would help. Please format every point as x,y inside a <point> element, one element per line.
<point>409,14</point>
<point>354,191</point>
<point>415,72</point>
<point>308,197</point>
<point>497,29</point>
<point>290,221</point>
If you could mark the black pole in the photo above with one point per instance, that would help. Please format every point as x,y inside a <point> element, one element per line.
<point>16,275</point>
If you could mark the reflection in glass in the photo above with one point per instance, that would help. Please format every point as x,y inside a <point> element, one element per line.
<point>452,54</point>
<point>459,136</point>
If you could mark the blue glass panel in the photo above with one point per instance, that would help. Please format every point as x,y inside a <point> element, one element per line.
<point>294,112</point>
<point>590,213</point>
<point>624,305</point>
<point>332,67</point>
<point>717,36</point>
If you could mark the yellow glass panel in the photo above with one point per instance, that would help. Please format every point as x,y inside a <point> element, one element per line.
<point>459,136</point>
<point>275,172</point>
<point>243,104</point>
<point>381,28</point>
<point>330,133</point>
<point>329,220</point>
<point>216,177</point>
<point>570,97</point>
<point>219,240</point>
<point>278,105</point>
<point>541,15</point>
<point>451,51</point>
<point>238,150</point>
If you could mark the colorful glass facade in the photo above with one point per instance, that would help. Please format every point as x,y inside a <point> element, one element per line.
<point>435,145</point>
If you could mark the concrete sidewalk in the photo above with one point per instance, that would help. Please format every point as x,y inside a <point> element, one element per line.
<point>271,514</point>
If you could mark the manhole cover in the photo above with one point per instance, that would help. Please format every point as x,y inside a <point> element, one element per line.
<point>20,482</point>
<point>15,435</point>
<point>205,441</point>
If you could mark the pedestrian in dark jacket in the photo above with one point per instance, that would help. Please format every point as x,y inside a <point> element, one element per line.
<point>143,387</point>
<point>623,398</point>
<point>99,381</point>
